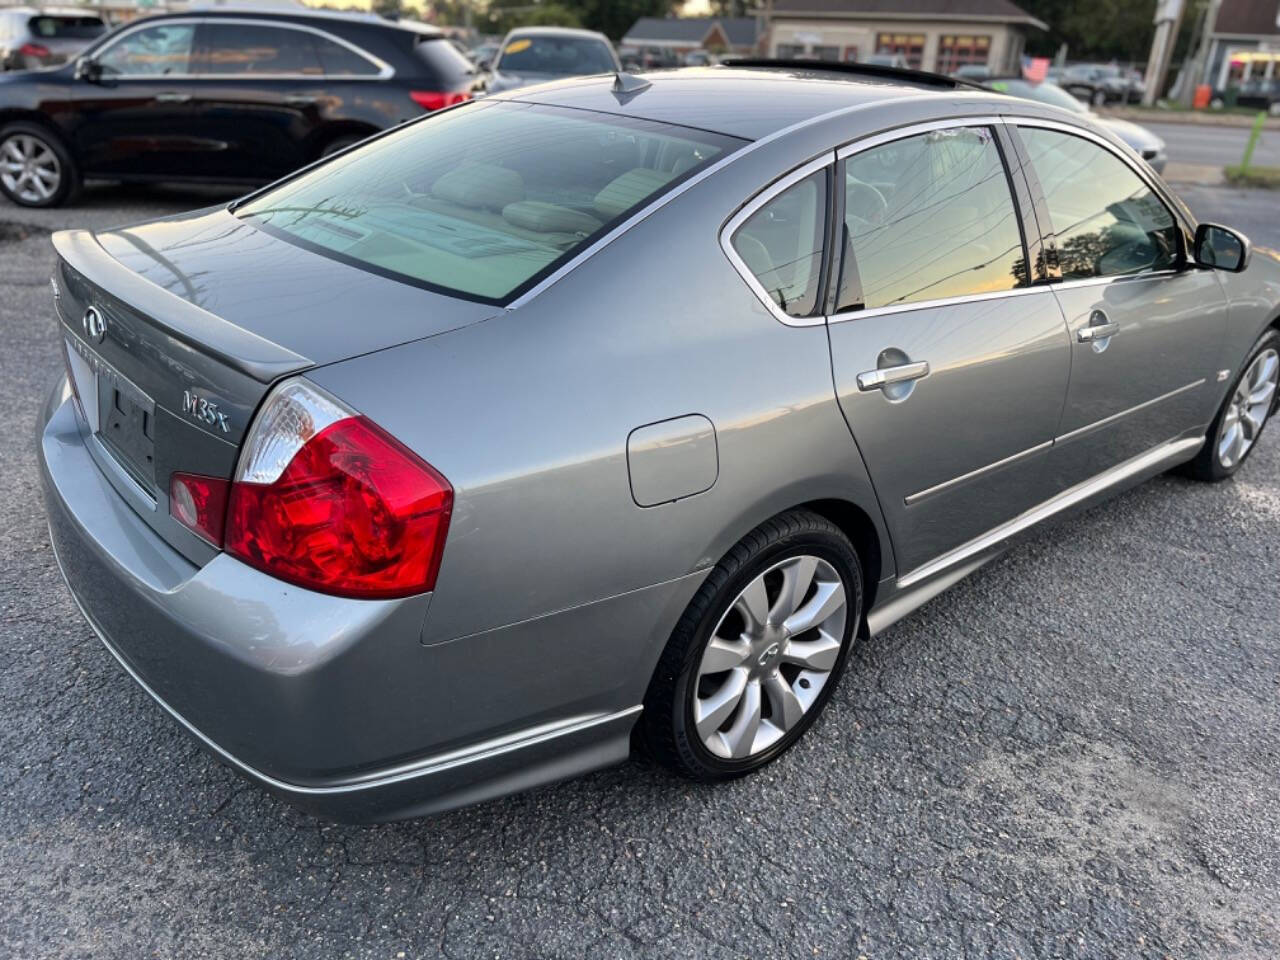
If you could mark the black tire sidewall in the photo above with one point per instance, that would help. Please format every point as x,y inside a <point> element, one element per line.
<point>70,181</point>
<point>829,545</point>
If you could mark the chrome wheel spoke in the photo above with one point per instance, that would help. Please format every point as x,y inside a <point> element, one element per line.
<point>827,599</point>
<point>1262,394</point>
<point>1250,423</point>
<point>724,655</point>
<point>715,709</point>
<point>786,706</point>
<point>797,576</point>
<point>13,151</point>
<point>740,738</point>
<point>753,604</point>
<point>820,654</point>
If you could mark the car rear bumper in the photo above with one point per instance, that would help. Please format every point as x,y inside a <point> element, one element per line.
<point>334,704</point>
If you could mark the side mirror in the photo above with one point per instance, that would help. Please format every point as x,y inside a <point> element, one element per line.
<point>88,69</point>
<point>1221,248</point>
<point>485,64</point>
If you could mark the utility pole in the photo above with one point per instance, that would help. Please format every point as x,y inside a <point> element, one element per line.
<point>1167,20</point>
<point>1193,74</point>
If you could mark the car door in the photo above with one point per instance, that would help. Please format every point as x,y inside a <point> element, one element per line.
<point>261,95</point>
<point>133,104</point>
<point>1146,326</point>
<point>950,361</point>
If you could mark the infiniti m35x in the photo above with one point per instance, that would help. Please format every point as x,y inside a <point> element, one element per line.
<point>614,412</point>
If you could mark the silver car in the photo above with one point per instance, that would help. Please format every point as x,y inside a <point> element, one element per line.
<point>32,38</point>
<point>614,412</point>
<point>530,55</point>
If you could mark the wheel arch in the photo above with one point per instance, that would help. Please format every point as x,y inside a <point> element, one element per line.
<point>338,130</point>
<point>856,524</point>
<point>10,115</point>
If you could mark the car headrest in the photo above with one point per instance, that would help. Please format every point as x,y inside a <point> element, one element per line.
<point>543,217</point>
<point>629,189</point>
<point>481,186</point>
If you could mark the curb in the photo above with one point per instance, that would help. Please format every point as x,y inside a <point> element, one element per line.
<point>1195,118</point>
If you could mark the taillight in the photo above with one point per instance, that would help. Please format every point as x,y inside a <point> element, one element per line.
<point>199,503</point>
<point>33,50</point>
<point>438,99</point>
<point>326,499</point>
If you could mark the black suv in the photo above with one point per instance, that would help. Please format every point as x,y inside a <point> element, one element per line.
<point>218,96</point>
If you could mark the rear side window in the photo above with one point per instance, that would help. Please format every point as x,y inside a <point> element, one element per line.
<point>442,62</point>
<point>782,245</point>
<point>929,217</point>
<point>255,50</point>
<point>1108,222</point>
<point>483,200</point>
<point>337,60</point>
<point>66,28</point>
<point>152,51</point>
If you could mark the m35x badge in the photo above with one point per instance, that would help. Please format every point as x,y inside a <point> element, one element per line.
<point>204,411</point>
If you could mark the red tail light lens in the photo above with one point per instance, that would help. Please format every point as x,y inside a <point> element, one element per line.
<point>33,50</point>
<point>438,99</point>
<point>199,504</point>
<point>353,512</point>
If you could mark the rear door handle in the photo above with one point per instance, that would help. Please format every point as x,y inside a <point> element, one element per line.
<point>173,97</point>
<point>300,100</point>
<point>1097,331</point>
<point>885,376</point>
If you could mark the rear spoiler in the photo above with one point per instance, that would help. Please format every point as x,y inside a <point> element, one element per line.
<point>233,346</point>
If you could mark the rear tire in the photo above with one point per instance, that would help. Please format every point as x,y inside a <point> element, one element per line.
<point>782,637</point>
<point>1245,412</point>
<point>36,169</point>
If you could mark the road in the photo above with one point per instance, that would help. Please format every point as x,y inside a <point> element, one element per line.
<point>1072,754</point>
<point>1219,146</point>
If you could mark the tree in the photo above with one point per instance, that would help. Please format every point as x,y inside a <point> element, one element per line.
<point>391,9</point>
<point>1093,29</point>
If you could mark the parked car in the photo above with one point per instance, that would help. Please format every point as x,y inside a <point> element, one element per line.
<point>31,38</point>
<point>636,59</point>
<point>436,470</point>
<point>973,72</point>
<point>895,60</point>
<point>1258,93</point>
<point>538,54</point>
<point>1099,84</point>
<point>1145,143</point>
<point>218,96</point>
<point>482,56</point>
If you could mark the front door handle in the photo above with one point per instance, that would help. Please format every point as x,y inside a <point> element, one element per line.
<point>300,100</point>
<point>886,376</point>
<point>1097,331</point>
<point>173,97</point>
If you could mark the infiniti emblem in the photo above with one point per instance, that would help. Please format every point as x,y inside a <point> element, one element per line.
<point>770,652</point>
<point>95,325</point>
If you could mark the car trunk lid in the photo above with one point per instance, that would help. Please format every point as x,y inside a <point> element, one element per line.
<point>175,330</point>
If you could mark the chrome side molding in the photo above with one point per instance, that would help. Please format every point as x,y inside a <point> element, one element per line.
<point>1168,453</point>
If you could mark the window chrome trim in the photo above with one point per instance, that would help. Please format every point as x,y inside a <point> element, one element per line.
<point>848,315</point>
<point>727,232</point>
<point>902,133</point>
<point>385,70</point>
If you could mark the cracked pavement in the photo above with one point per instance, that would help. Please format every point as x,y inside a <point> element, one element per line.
<point>1074,753</point>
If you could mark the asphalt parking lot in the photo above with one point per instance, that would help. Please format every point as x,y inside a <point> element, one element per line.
<point>1074,753</point>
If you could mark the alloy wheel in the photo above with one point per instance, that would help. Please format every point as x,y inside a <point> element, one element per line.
<point>1250,406</point>
<point>769,657</point>
<point>29,169</point>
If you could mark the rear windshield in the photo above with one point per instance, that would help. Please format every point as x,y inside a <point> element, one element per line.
<point>556,56</point>
<point>484,200</point>
<point>66,28</point>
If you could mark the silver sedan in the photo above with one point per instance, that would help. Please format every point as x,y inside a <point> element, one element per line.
<point>614,412</point>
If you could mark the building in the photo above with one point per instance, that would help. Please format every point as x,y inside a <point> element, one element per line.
<point>1244,43</point>
<point>937,35</point>
<point>682,34</point>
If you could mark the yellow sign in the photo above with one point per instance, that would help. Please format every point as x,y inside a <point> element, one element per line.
<point>516,46</point>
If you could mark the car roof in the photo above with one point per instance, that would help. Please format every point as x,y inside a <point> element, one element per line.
<point>745,102</point>
<point>294,14</point>
<point>556,32</point>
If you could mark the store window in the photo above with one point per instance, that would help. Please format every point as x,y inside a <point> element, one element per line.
<point>910,45</point>
<point>959,50</point>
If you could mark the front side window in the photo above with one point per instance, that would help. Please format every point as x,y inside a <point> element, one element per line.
<point>782,245</point>
<point>253,49</point>
<point>929,217</point>
<point>556,56</point>
<point>483,200</point>
<point>153,51</point>
<point>1108,222</point>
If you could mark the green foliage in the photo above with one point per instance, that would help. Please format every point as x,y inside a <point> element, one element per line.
<point>392,9</point>
<point>504,15</point>
<point>1100,30</point>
